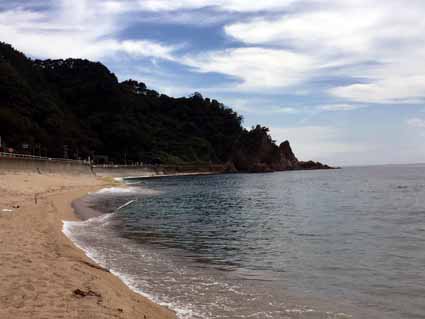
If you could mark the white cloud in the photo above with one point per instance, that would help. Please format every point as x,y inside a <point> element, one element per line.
<point>260,107</point>
<point>78,29</point>
<point>392,90</point>
<point>226,5</point>
<point>257,68</point>
<point>416,122</point>
<point>380,42</point>
<point>146,48</point>
<point>320,30</point>
<point>264,107</point>
<point>339,107</point>
<point>114,7</point>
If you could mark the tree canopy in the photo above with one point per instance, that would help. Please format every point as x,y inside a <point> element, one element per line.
<point>76,108</point>
<point>82,105</point>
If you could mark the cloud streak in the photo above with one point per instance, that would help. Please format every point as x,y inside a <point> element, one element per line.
<point>73,29</point>
<point>352,36</point>
<point>223,5</point>
<point>340,107</point>
<point>416,122</point>
<point>256,68</point>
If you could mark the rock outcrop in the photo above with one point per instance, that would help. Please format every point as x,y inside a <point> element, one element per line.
<point>287,157</point>
<point>313,165</point>
<point>257,152</point>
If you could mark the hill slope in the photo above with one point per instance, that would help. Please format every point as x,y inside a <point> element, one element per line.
<point>78,108</point>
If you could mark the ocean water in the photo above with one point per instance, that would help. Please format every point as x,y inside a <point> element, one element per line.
<point>346,243</point>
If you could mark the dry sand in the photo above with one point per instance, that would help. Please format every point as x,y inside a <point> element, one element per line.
<point>42,274</point>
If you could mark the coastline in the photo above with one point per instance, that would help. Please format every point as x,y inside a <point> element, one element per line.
<point>43,274</point>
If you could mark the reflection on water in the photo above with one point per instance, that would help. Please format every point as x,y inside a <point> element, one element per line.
<point>316,244</point>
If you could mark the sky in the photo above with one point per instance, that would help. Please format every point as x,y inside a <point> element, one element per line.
<point>342,80</point>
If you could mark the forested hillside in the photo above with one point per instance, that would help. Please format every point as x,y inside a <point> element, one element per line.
<point>77,108</point>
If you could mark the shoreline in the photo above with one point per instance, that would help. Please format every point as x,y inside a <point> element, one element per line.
<point>82,211</point>
<point>153,176</point>
<point>96,217</point>
<point>44,274</point>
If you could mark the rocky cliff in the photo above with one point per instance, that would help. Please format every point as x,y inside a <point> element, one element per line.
<point>257,152</point>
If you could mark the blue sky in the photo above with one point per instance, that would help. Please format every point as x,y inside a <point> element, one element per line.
<point>343,80</point>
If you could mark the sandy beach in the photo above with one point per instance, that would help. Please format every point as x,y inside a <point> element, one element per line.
<point>42,274</point>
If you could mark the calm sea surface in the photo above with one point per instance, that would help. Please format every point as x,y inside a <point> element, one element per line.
<point>346,243</point>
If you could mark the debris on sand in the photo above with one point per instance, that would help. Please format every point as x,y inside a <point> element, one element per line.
<point>88,293</point>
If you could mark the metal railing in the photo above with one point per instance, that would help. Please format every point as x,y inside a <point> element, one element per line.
<point>40,158</point>
<point>120,165</point>
<point>193,166</point>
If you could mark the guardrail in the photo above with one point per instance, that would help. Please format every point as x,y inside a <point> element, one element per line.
<point>121,166</point>
<point>187,166</point>
<point>40,158</point>
<point>143,165</point>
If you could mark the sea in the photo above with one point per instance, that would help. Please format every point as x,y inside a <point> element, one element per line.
<point>344,243</point>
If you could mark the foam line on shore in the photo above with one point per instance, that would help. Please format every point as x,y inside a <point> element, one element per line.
<point>126,204</point>
<point>92,216</point>
<point>148,176</point>
<point>116,190</point>
<point>128,280</point>
<point>125,191</point>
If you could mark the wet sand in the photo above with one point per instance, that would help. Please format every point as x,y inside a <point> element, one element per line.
<point>42,274</point>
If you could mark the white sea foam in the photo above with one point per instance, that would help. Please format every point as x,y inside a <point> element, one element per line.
<point>126,204</point>
<point>126,191</point>
<point>71,230</point>
<point>181,311</point>
<point>117,190</point>
<point>78,230</point>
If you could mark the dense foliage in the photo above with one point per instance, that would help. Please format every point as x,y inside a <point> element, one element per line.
<point>78,108</point>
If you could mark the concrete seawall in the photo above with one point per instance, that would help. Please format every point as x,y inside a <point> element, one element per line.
<point>160,170</point>
<point>35,166</point>
<point>43,166</point>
